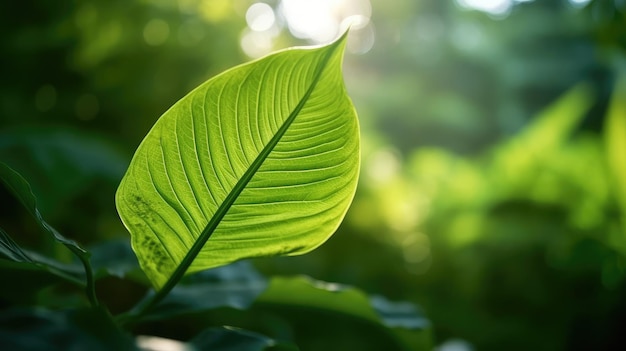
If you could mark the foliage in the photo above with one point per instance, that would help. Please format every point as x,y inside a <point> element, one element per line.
<point>503,249</point>
<point>262,159</point>
<point>270,188</point>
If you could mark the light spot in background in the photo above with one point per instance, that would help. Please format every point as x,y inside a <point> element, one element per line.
<point>429,28</point>
<point>468,36</point>
<point>215,10</point>
<point>362,34</point>
<point>155,343</point>
<point>86,16</point>
<point>383,166</point>
<point>492,7</point>
<point>454,345</point>
<point>156,32</point>
<point>190,32</point>
<point>257,44</point>
<point>314,20</point>
<point>321,21</point>
<point>258,39</point>
<point>579,3</point>
<point>45,98</point>
<point>416,248</point>
<point>87,107</point>
<point>260,17</point>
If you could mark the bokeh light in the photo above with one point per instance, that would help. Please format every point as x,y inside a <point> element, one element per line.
<point>318,22</point>
<point>494,7</point>
<point>260,17</point>
<point>156,32</point>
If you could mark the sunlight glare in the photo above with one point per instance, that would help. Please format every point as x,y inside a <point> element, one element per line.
<point>323,20</point>
<point>579,3</point>
<point>493,7</point>
<point>260,17</point>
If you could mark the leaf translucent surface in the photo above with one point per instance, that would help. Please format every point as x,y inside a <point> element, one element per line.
<point>263,159</point>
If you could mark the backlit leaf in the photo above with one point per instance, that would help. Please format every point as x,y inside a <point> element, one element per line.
<point>263,159</point>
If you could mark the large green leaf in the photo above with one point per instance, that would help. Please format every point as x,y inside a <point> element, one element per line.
<point>263,159</point>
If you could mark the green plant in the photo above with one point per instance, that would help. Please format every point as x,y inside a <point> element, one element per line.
<point>261,160</point>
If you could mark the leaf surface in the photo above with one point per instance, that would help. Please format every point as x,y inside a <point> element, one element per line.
<point>263,159</point>
<point>306,300</point>
<point>22,191</point>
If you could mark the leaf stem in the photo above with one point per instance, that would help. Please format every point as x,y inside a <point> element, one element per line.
<point>90,288</point>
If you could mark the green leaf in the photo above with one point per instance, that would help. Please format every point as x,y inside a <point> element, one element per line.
<point>114,258</point>
<point>62,163</point>
<point>263,159</point>
<point>12,256</point>
<point>20,188</point>
<point>217,339</point>
<point>235,339</point>
<point>39,329</point>
<point>401,322</point>
<point>235,286</point>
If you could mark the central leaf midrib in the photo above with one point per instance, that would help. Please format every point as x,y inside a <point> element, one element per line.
<point>242,182</point>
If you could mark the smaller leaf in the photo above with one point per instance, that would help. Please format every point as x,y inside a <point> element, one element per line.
<point>216,339</point>
<point>235,286</point>
<point>399,314</point>
<point>235,339</point>
<point>38,329</point>
<point>114,258</point>
<point>20,188</point>
<point>62,164</point>
<point>402,321</point>
<point>13,257</point>
<point>10,250</point>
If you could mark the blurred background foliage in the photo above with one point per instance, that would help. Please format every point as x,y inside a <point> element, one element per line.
<point>493,184</point>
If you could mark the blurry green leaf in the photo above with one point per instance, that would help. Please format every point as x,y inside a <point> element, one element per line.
<point>60,163</point>
<point>38,329</point>
<point>406,326</point>
<point>263,159</point>
<point>20,188</point>
<point>552,126</point>
<point>114,257</point>
<point>10,250</point>
<point>615,136</point>
<point>23,193</point>
<point>217,339</point>
<point>13,256</point>
<point>236,286</point>
<point>235,339</point>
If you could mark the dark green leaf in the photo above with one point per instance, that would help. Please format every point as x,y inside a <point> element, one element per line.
<point>236,286</point>
<point>235,339</point>
<point>32,265</point>
<point>402,322</point>
<point>61,162</point>
<point>20,188</point>
<point>38,329</point>
<point>113,258</point>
